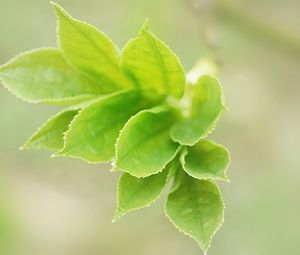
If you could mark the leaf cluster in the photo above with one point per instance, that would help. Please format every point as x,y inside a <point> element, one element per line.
<point>133,107</point>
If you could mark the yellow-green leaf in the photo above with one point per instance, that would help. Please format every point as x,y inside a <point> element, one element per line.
<point>152,64</point>
<point>206,160</point>
<point>196,208</point>
<point>90,51</point>
<point>205,107</point>
<point>44,76</point>
<point>93,133</point>
<point>51,134</point>
<point>144,146</point>
<point>135,193</point>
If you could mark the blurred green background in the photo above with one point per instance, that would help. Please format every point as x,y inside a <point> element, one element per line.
<point>64,206</point>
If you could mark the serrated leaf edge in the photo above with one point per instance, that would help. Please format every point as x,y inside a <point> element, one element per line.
<point>155,109</point>
<point>61,152</point>
<point>185,152</point>
<point>189,235</point>
<point>60,10</point>
<point>118,216</point>
<point>75,107</point>
<point>213,125</point>
<point>145,29</point>
<point>27,145</point>
<point>45,100</point>
<point>148,32</point>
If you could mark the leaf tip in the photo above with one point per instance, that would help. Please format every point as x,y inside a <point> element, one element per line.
<point>28,145</point>
<point>24,147</point>
<point>146,24</point>
<point>55,5</point>
<point>204,250</point>
<point>58,9</point>
<point>118,214</point>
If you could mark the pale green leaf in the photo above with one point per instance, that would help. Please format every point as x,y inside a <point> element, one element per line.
<point>44,76</point>
<point>144,146</point>
<point>152,64</point>
<point>135,193</point>
<point>196,208</point>
<point>206,160</point>
<point>205,107</point>
<point>51,134</point>
<point>93,133</point>
<point>90,51</point>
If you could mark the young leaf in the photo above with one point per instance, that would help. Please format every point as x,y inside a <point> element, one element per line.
<point>113,119</point>
<point>175,173</point>
<point>90,51</point>
<point>206,160</point>
<point>93,133</point>
<point>205,109</point>
<point>152,64</point>
<point>135,193</point>
<point>44,76</point>
<point>144,146</point>
<point>197,209</point>
<point>51,134</point>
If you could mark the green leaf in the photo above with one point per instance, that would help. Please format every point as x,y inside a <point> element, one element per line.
<point>90,51</point>
<point>206,106</point>
<point>44,76</point>
<point>144,146</point>
<point>206,160</point>
<point>136,108</point>
<point>93,133</point>
<point>174,173</point>
<point>153,65</point>
<point>135,193</point>
<point>51,134</point>
<point>196,208</point>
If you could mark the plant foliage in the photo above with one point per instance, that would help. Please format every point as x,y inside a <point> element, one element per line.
<point>133,107</point>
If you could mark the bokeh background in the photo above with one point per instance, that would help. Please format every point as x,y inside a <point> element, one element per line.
<point>63,206</point>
